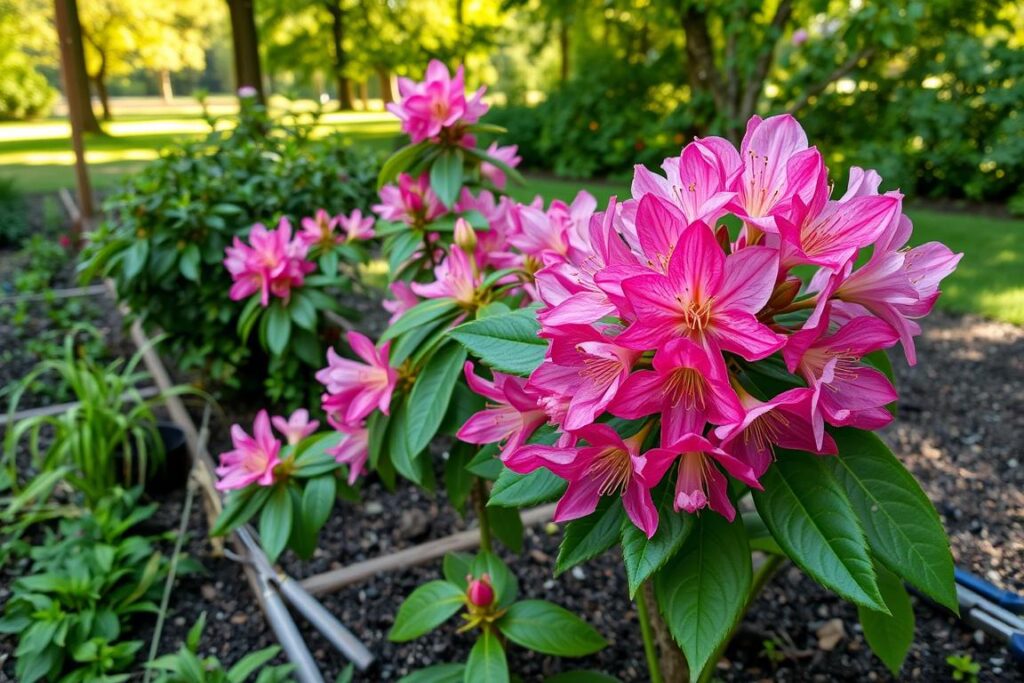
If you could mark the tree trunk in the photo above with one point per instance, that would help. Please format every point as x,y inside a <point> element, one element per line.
<point>386,93</point>
<point>700,59</point>
<point>72,53</point>
<point>563,48</point>
<point>344,85</point>
<point>245,42</point>
<point>100,81</point>
<point>364,94</point>
<point>166,91</point>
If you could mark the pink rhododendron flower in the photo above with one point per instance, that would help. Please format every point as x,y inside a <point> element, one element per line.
<point>404,299</point>
<point>356,226</point>
<point>511,416</point>
<point>355,389</point>
<point>545,234</point>
<point>319,230</point>
<point>494,173</point>
<point>253,459</point>
<point>272,265</point>
<point>700,483</point>
<point>609,465</point>
<point>411,201</point>
<point>480,592</point>
<point>296,428</point>
<point>353,450</point>
<point>436,103</point>
<point>799,37</point>
<point>456,277</point>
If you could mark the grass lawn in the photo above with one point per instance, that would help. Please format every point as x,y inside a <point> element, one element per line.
<point>989,280</point>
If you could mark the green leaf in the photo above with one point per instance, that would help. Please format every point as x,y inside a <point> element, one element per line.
<point>703,589</point>
<point>439,673</point>
<point>239,508</point>
<point>302,311</point>
<point>889,635</point>
<point>900,523</point>
<point>276,522</point>
<point>409,464</point>
<point>425,609</point>
<point>486,663</point>
<point>400,248</point>
<point>251,663</point>
<point>318,500</point>
<point>508,342</point>
<point>420,314</point>
<point>522,490</point>
<point>430,395</point>
<point>506,586</point>
<point>446,176</point>
<point>485,463</point>
<point>399,162</point>
<point>456,567</point>
<point>590,536</point>
<point>811,518</point>
<point>458,481</point>
<point>188,263</point>
<point>279,328</point>
<point>507,527</point>
<point>544,627</point>
<point>643,556</point>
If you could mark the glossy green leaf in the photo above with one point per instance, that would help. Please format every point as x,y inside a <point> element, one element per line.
<point>425,609</point>
<point>420,314</point>
<point>889,635</point>
<point>507,527</point>
<point>318,500</point>
<point>486,663</point>
<point>439,673</point>
<point>588,537</point>
<point>458,481</point>
<point>812,520</point>
<point>643,556</point>
<point>508,342</point>
<point>399,162</point>
<point>523,490</point>
<point>446,176</point>
<point>276,522</point>
<point>900,523</point>
<point>279,328</point>
<point>703,589</point>
<point>545,627</point>
<point>430,395</point>
<point>456,567</point>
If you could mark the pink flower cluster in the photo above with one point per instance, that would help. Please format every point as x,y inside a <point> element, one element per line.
<point>271,264</point>
<point>323,231</point>
<point>354,390</point>
<point>436,104</point>
<point>253,458</point>
<point>653,309</point>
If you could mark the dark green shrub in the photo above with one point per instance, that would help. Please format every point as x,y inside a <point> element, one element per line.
<point>163,243</point>
<point>13,221</point>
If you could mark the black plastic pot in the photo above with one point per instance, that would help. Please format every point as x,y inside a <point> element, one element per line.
<point>171,474</point>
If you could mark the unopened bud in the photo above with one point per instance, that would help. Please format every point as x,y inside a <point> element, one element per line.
<point>722,235</point>
<point>465,236</point>
<point>784,293</point>
<point>480,592</point>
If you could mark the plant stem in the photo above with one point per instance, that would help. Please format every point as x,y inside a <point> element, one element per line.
<point>653,667</point>
<point>764,573</point>
<point>480,496</point>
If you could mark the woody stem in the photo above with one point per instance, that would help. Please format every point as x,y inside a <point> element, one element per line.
<point>480,496</point>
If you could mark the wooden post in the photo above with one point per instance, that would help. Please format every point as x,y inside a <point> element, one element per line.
<point>80,112</point>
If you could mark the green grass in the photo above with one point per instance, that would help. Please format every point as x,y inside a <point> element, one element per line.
<point>989,280</point>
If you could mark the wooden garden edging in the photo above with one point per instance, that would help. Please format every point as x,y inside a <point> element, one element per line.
<point>59,408</point>
<point>67,293</point>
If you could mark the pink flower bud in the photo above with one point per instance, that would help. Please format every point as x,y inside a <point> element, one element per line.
<point>784,293</point>
<point>465,237</point>
<point>480,592</point>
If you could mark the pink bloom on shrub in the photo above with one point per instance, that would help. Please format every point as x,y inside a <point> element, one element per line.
<point>273,264</point>
<point>704,295</point>
<point>253,458</point>
<point>353,450</point>
<point>296,428</point>
<point>512,414</point>
<point>404,299</point>
<point>356,226</point>
<point>544,234</point>
<point>355,389</point>
<point>436,103</point>
<point>494,173</point>
<point>319,230</point>
<point>700,484</point>
<point>480,592</point>
<point>456,277</point>
<point>609,465</point>
<point>411,201</point>
<point>799,37</point>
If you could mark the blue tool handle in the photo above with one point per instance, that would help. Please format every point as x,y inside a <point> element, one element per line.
<point>1008,600</point>
<point>1016,647</point>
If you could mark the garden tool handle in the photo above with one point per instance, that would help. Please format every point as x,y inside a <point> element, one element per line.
<point>288,635</point>
<point>325,622</point>
<point>1008,600</point>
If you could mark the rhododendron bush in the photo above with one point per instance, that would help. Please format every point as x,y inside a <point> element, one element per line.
<point>693,372</point>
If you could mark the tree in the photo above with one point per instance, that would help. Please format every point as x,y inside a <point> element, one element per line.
<point>245,42</point>
<point>336,9</point>
<point>76,83</point>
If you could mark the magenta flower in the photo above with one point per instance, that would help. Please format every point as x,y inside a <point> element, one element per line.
<point>272,265</point>
<point>411,201</point>
<point>353,450</point>
<point>319,230</point>
<point>705,296</point>
<point>588,368</point>
<point>404,299</point>
<point>545,235</point>
<point>699,482</point>
<point>253,459</point>
<point>494,173</point>
<point>456,277</point>
<point>356,226</point>
<point>609,465</point>
<point>296,428</point>
<point>689,386</point>
<point>783,421</point>
<point>799,37</point>
<point>437,103</point>
<point>512,414</point>
<point>846,392</point>
<point>355,389</point>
